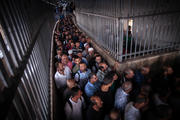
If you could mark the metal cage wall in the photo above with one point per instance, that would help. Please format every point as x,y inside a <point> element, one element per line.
<point>25,38</point>
<point>128,29</point>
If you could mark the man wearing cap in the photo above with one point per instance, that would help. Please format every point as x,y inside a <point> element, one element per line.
<point>70,53</point>
<point>90,55</point>
<point>85,51</point>
<point>122,95</point>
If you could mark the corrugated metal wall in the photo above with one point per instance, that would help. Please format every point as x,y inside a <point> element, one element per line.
<point>25,37</point>
<point>128,29</point>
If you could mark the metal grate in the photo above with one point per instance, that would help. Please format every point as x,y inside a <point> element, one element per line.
<point>25,37</point>
<point>128,29</point>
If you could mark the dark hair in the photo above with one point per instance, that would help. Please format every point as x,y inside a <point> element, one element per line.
<point>91,75</point>
<point>98,56</point>
<point>74,91</point>
<point>140,99</point>
<point>127,71</point>
<point>107,80</point>
<point>101,67</point>
<point>110,74</point>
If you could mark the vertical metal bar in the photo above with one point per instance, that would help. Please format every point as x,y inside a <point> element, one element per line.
<point>126,39</point>
<point>136,37</point>
<point>121,40</point>
<point>145,37</point>
<point>131,39</point>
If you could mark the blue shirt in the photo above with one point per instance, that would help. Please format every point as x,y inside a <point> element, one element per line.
<point>90,89</point>
<point>139,78</point>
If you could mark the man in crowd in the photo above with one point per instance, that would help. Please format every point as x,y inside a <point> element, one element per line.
<point>121,96</point>
<point>92,85</point>
<point>82,75</point>
<point>94,111</point>
<point>63,73</point>
<point>75,105</point>
<point>132,110</point>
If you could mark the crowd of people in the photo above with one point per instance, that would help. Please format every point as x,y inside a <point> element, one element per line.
<point>92,90</point>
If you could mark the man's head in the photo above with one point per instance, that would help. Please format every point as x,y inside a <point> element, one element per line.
<point>107,81</point>
<point>145,70</point>
<point>129,73</point>
<point>127,86</point>
<point>76,93</point>
<point>72,45</point>
<point>59,51</point>
<point>168,70</point>
<point>79,54</point>
<point>97,102</point>
<point>64,59</point>
<point>98,59</point>
<point>71,83</point>
<point>83,67</point>
<point>91,51</point>
<point>77,44</point>
<point>103,66</point>
<point>141,101</point>
<point>77,60</point>
<point>60,67</point>
<point>86,46</point>
<point>114,114</point>
<point>93,78</point>
<point>83,39</point>
<point>59,43</point>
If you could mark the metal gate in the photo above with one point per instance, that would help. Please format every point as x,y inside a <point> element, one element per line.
<point>25,38</point>
<point>128,29</point>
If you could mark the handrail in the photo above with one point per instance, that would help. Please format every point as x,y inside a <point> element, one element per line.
<point>52,74</point>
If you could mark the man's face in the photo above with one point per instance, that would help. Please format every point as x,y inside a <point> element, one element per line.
<point>79,94</point>
<point>115,77</point>
<point>77,44</point>
<point>131,74</point>
<point>60,67</point>
<point>64,59</point>
<point>94,78</point>
<point>59,43</point>
<point>99,102</point>
<point>113,115</point>
<point>77,61</point>
<point>72,44</point>
<point>82,67</point>
<point>98,59</point>
<point>146,71</point>
<point>169,70</point>
<point>67,37</point>
<point>79,54</point>
<point>59,52</point>
<point>105,66</point>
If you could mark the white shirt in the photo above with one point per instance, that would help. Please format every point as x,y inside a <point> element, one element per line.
<point>74,113</point>
<point>131,113</point>
<point>61,79</point>
<point>121,99</point>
